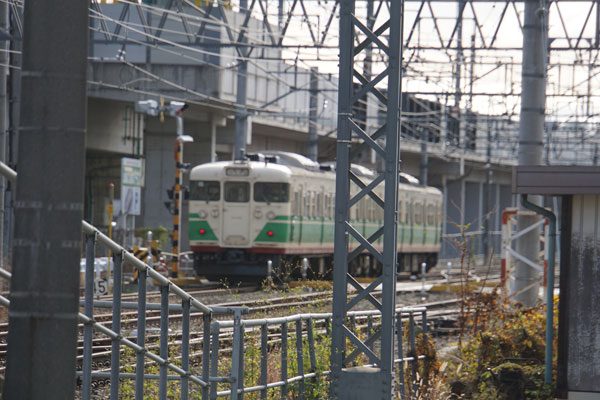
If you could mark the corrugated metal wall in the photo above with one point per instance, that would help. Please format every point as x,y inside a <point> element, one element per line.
<point>583,296</point>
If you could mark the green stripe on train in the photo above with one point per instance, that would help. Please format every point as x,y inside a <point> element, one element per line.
<point>279,233</point>
<point>194,231</point>
<point>287,229</point>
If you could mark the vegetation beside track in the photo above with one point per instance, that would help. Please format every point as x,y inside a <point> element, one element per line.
<point>499,352</point>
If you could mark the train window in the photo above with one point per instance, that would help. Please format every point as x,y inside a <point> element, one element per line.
<point>326,206</point>
<point>237,192</point>
<point>332,205</point>
<point>418,213</point>
<point>430,214</point>
<point>205,190</point>
<point>271,192</point>
<point>400,210</point>
<point>306,206</point>
<point>297,203</point>
<point>320,205</point>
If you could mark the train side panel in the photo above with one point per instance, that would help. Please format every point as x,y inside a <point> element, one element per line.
<point>244,214</point>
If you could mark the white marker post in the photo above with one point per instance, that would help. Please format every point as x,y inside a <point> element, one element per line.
<point>423,271</point>
<point>448,266</point>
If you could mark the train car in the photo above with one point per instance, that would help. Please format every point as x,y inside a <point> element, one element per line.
<point>276,208</point>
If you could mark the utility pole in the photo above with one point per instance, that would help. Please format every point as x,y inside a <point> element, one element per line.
<point>280,14</point>
<point>459,114</point>
<point>458,67</point>
<point>471,72</point>
<point>531,141</point>
<point>42,338</point>
<point>424,158</point>
<point>241,112</point>
<point>313,138</point>
<point>4,121</point>
<point>487,195</point>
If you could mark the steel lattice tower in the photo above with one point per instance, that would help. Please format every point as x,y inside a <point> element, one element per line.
<point>349,383</point>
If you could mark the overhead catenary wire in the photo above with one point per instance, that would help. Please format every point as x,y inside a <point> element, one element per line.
<point>419,71</point>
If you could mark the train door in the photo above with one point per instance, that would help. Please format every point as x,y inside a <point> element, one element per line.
<point>320,213</point>
<point>401,219</point>
<point>296,218</point>
<point>411,218</point>
<point>236,214</point>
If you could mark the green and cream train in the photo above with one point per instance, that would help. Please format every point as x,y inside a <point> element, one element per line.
<point>276,209</point>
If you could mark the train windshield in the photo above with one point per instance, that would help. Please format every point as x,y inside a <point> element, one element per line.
<point>237,192</point>
<point>271,192</point>
<point>205,190</point>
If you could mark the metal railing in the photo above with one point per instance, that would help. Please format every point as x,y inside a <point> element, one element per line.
<point>183,372</point>
<point>310,329</point>
<point>270,340</point>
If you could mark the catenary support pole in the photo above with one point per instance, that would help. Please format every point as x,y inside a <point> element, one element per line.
<point>487,196</point>
<point>375,382</point>
<point>42,339</point>
<point>424,161</point>
<point>241,112</point>
<point>313,139</point>
<point>531,139</point>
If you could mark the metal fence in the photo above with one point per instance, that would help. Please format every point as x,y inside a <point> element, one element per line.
<point>270,340</point>
<point>224,363</point>
<point>226,345</point>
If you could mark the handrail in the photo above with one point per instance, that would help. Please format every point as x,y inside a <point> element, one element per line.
<point>93,236</point>
<point>298,317</point>
<point>142,266</point>
<point>138,349</point>
<point>304,336</point>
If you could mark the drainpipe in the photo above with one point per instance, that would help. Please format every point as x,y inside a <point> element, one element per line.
<point>550,286</point>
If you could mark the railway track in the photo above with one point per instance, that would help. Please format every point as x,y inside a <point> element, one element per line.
<point>258,308</point>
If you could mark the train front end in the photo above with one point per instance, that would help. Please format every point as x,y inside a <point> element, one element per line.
<point>238,218</point>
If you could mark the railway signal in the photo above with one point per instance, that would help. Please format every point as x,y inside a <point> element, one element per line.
<point>175,110</point>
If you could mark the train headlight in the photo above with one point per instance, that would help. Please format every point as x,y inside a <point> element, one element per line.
<point>214,213</point>
<point>202,214</point>
<point>270,215</point>
<point>202,231</point>
<point>270,233</point>
<point>257,214</point>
